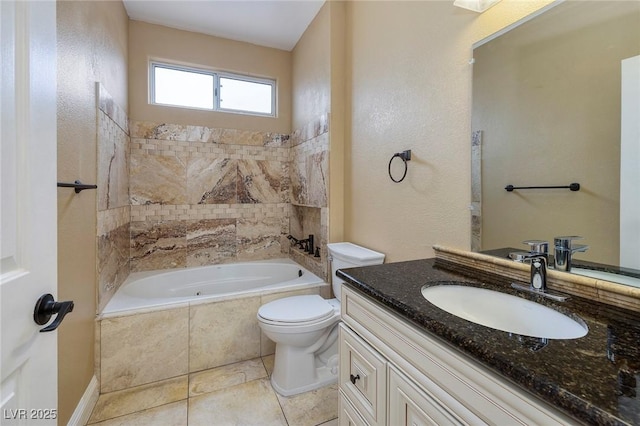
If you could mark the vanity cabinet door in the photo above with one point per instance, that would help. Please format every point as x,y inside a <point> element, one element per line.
<point>348,416</point>
<point>410,405</point>
<point>362,377</point>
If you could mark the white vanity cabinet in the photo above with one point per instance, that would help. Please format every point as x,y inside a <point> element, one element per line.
<point>393,373</point>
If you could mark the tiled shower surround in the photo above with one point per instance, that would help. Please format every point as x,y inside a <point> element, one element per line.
<point>202,196</point>
<point>114,216</point>
<point>172,196</point>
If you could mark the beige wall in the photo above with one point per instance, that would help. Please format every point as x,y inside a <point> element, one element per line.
<point>311,71</point>
<point>148,41</point>
<point>92,46</point>
<point>337,131</point>
<point>566,128</point>
<point>410,88</point>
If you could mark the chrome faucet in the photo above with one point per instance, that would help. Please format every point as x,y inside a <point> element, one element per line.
<point>538,281</point>
<point>539,258</point>
<point>536,247</point>
<point>564,250</point>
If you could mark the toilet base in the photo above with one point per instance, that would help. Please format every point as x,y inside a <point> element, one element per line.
<point>298,370</point>
<point>324,375</point>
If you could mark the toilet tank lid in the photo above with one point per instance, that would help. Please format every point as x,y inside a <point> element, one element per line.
<point>354,252</point>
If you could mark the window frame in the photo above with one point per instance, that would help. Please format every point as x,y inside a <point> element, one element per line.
<point>216,88</point>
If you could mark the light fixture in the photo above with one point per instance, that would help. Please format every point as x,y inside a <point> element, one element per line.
<point>475,5</point>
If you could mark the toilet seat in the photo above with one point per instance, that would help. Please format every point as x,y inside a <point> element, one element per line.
<point>296,310</point>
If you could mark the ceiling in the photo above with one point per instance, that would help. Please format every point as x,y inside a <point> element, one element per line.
<point>271,23</point>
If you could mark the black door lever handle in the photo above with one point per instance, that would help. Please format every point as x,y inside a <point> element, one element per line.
<point>46,306</point>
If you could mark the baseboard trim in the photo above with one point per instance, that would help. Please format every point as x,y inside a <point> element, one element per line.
<point>84,408</point>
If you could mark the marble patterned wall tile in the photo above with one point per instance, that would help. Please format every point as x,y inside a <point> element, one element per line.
<point>263,182</point>
<point>113,164</point>
<point>108,105</point>
<point>212,180</point>
<point>113,211</point>
<point>299,183</point>
<point>198,134</point>
<point>276,140</point>
<point>158,245</point>
<point>158,213</point>
<point>108,220</point>
<point>160,179</point>
<point>177,132</point>
<point>304,221</point>
<point>211,241</point>
<point>476,165</point>
<point>476,190</point>
<point>166,131</point>
<point>311,130</point>
<point>181,174</point>
<point>309,172</point>
<point>239,137</point>
<point>113,262</point>
<point>318,179</point>
<point>261,238</point>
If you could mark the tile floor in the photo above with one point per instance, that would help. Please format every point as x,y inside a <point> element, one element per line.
<point>235,394</point>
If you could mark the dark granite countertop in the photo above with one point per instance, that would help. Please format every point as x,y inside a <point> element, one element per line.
<point>595,379</point>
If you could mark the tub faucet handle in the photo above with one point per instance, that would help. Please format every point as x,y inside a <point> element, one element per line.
<point>309,248</point>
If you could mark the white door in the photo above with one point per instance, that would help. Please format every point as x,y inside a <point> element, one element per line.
<point>28,255</point>
<point>629,160</point>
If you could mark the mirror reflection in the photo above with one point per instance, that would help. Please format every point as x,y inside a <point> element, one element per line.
<point>556,101</point>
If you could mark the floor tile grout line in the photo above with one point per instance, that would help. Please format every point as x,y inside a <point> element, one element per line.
<point>141,411</point>
<point>187,400</point>
<point>281,407</point>
<point>284,415</point>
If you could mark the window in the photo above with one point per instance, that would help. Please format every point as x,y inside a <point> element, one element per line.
<point>195,88</point>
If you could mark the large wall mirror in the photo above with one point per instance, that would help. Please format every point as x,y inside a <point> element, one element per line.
<point>556,101</point>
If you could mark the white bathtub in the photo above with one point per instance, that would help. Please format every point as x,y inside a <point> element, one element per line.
<point>152,289</point>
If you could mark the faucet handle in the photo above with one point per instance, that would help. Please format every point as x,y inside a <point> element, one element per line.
<point>537,246</point>
<point>564,243</point>
<point>579,248</point>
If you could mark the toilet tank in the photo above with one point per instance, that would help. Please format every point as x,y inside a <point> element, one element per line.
<point>348,255</point>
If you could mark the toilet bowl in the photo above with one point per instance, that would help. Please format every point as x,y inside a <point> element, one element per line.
<point>305,328</point>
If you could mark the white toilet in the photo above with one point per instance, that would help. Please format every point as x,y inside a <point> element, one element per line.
<point>305,330</point>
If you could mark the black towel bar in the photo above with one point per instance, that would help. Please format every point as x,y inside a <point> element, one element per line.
<point>77,185</point>
<point>572,187</point>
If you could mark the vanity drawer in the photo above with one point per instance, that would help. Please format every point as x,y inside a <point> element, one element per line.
<point>411,405</point>
<point>348,416</point>
<point>363,377</point>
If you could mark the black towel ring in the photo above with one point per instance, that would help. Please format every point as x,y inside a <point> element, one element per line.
<point>405,156</point>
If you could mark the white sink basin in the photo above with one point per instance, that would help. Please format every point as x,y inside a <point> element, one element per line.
<point>504,312</point>
<point>608,276</point>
